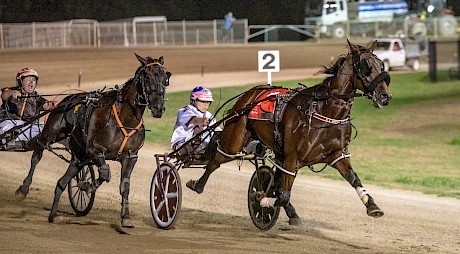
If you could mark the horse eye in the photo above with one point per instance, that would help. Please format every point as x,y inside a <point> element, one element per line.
<point>365,68</point>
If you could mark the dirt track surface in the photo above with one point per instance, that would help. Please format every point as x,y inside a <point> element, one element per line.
<point>216,221</point>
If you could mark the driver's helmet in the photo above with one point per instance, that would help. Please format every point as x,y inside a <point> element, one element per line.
<point>200,93</point>
<point>24,72</point>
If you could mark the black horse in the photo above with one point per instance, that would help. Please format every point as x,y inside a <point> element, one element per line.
<point>103,126</point>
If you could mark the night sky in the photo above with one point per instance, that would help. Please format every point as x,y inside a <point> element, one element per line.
<point>261,12</point>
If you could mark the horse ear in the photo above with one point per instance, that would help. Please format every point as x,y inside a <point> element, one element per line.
<point>161,60</point>
<point>352,46</point>
<point>141,59</point>
<point>373,46</point>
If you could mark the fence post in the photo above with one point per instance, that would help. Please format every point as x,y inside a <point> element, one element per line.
<point>458,57</point>
<point>98,34</point>
<point>134,34</point>
<point>184,33</point>
<point>246,31</point>
<point>155,40</point>
<point>432,60</point>
<point>1,35</point>
<point>125,35</point>
<point>33,34</point>
<point>214,29</point>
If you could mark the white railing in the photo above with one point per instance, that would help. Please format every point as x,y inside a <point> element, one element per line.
<point>90,33</point>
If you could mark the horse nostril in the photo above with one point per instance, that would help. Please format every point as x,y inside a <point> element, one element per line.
<point>384,96</point>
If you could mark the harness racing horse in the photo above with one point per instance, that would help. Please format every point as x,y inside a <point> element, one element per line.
<point>314,128</point>
<point>105,126</point>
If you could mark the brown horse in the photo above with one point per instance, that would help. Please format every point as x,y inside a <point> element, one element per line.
<point>314,128</point>
<point>104,126</point>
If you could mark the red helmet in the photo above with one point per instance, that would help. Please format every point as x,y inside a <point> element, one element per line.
<point>24,72</point>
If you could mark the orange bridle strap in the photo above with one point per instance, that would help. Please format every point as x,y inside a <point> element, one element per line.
<point>155,63</point>
<point>127,135</point>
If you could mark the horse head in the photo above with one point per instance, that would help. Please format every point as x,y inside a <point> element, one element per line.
<point>369,74</point>
<point>153,80</point>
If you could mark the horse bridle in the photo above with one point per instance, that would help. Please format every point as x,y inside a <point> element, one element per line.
<point>363,70</point>
<point>142,96</point>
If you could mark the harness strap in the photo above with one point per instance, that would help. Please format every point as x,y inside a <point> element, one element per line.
<point>294,174</point>
<point>282,101</point>
<point>341,157</point>
<point>23,107</point>
<point>329,120</point>
<point>127,135</point>
<point>240,154</point>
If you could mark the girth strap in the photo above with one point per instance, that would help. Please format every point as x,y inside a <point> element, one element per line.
<point>127,135</point>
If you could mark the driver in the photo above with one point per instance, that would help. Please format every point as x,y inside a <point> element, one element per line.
<point>193,119</point>
<point>21,103</point>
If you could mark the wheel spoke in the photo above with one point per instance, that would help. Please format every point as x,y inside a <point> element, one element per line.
<point>160,205</point>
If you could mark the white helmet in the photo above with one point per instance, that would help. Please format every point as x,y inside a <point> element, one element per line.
<point>200,93</point>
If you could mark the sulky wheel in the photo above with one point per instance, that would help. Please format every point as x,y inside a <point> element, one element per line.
<point>260,186</point>
<point>165,196</point>
<point>80,200</point>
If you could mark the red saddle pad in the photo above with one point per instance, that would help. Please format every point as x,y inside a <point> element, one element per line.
<point>264,109</point>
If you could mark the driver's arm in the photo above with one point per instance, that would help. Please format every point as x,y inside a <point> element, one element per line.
<point>7,93</point>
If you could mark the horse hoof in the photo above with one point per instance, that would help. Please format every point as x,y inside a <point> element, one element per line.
<point>295,221</point>
<point>59,220</point>
<point>375,213</point>
<point>83,185</point>
<point>192,185</point>
<point>19,195</point>
<point>127,223</point>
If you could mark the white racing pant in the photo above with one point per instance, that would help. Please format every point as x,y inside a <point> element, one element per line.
<point>27,132</point>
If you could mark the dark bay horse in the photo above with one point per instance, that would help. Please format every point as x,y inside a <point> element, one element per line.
<point>104,126</point>
<point>314,128</point>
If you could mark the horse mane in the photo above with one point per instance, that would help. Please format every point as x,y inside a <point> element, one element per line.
<point>334,69</point>
<point>130,81</point>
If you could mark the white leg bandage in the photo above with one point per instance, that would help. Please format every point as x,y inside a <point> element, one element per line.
<point>363,195</point>
<point>267,202</point>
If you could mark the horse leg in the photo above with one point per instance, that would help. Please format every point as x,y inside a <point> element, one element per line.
<point>345,169</point>
<point>104,175</point>
<point>283,186</point>
<point>62,183</point>
<point>198,185</point>
<point>294,219</point>
<point>49,134</point>
<point>127,167</point>
<point>23,190</point>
